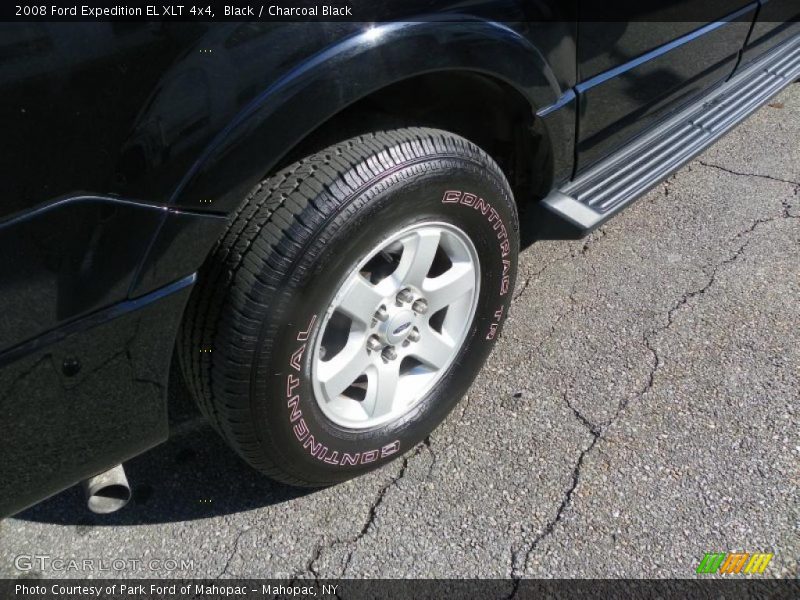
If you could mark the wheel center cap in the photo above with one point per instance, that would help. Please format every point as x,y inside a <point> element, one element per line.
<point>398,326</point>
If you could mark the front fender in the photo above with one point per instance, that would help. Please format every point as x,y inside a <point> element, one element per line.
<point>350,69</point>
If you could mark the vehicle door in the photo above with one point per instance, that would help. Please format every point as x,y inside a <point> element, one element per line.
<point>634,72</point>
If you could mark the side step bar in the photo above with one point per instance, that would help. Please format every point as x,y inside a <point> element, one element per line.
<point>607,188</point>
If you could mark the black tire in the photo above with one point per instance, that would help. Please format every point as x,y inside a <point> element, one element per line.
<point>242,346</point>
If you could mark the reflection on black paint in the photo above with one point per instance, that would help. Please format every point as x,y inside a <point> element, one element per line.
<point>58,427</point>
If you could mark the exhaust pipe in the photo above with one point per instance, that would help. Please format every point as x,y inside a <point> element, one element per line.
<point>108,491</point>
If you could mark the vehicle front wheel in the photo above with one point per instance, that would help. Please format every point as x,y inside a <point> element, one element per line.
<point>351,303</point>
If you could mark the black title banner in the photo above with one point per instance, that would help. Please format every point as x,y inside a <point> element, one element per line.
<point>387,10</point>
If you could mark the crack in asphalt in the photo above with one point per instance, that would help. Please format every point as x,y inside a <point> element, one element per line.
<point>534,276</point>
<point>573,303</point>
<point>310,568</point>
<point>683,301</point>
<point>434,459</point>
<point>372,512</point>
<point>234,551</point>
<point>734,172</point>
<point>597,431</point>
<point>596,434</point>
<point>527,282</point>
<point>591,241</point>
<point>687,297</point>
<point>373,509</point>
<point>593,428</point>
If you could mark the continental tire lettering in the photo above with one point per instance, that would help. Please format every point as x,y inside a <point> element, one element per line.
<point>294,411</point>
<point>350,459</point>
<point>493,216</point>
<point>498,316</point>
<point>302,336</point>
<point>300,428</point>
<point>494,219</point>
<point>468,199</point>
<point>368,457</point>
<point>291,383</point>
<point>390,449</point>
<point>297,357</point>
<point>453,196</point>
<point>318,450</point>
<point>482,206</point>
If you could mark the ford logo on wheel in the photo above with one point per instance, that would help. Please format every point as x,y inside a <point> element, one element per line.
<point>401,328</point>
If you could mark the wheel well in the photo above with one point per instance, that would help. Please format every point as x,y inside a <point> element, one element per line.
<point>484,110</point>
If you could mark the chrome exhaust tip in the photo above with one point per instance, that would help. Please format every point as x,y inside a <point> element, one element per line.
<point>107,492</point>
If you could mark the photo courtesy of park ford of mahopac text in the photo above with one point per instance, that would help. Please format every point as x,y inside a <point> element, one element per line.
<point>166,589</point>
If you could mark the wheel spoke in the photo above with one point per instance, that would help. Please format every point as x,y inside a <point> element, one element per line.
<point>448,287</point>
<point>419,251</point>
<point>337,374</point>
<point>382,389</point>
<point>360,300</point>
<point>433,349</point>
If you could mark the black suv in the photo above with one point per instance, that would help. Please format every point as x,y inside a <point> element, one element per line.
<point>314,226</point>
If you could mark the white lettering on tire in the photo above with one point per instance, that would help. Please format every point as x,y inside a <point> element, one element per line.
<point>300,428</point>
<point>486,209</point>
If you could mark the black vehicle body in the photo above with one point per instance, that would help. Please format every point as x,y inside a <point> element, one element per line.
<point>128,145</point>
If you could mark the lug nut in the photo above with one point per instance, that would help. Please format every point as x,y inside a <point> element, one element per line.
<point>420,306</point>
<point>414,335</point>
<point>404,296</point>
<point>389,353</point>
<point>381,314</point>
<point>374,344</point>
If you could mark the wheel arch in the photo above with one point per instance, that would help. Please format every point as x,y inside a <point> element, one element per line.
<point>384,67</point>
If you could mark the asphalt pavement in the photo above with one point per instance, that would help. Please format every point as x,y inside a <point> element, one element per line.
<point>640,409</point>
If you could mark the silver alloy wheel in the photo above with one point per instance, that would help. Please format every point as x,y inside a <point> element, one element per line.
<point>395,325</point>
